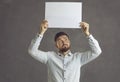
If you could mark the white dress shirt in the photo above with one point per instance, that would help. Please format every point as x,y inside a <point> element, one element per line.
<point>64,68</point>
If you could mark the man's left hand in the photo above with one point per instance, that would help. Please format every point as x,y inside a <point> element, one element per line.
<point>85,27</point>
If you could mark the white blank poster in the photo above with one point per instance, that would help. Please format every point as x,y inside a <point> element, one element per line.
<point>63,14</point>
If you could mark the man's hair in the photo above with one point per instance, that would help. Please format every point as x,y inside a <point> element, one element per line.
<point>60,34</point>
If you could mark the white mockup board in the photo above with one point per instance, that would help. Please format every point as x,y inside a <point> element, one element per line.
<point>63,14</point>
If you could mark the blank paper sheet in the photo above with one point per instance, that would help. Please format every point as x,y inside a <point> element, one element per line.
<point>63,14</point>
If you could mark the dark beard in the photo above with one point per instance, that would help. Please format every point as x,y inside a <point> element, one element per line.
<point>64,49</point>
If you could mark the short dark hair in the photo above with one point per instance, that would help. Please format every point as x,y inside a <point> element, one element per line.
<point>60,34</point>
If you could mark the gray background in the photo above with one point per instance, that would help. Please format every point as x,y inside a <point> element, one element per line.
<point>19,23</point>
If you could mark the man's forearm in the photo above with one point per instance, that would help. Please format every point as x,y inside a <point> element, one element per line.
<point>35,43</point>
<point>94,45</point>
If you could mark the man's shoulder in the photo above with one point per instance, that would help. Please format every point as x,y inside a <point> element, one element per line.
<point>78,54</point>
<point>52,55</point>
<point>51,52</point>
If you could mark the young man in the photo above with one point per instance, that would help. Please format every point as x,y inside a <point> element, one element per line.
<point>64,66</point>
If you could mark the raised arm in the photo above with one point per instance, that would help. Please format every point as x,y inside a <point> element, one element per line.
<point>95,49</point>
<point>33,48</point>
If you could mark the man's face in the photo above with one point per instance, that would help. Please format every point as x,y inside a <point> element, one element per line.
<point>63,43</point>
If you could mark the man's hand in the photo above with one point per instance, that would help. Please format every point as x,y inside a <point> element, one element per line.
<point>43,27</point>
<point>85,27</point>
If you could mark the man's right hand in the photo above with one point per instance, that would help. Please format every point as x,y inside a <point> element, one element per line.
<point>43,27</point>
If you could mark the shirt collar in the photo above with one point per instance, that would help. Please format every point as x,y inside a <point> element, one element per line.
<point>69,54</point>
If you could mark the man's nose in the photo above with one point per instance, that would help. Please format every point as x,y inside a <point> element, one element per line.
<point>64,42</point>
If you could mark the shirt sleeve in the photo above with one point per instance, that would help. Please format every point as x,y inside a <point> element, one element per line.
<point>91,54</point>
<point>35,52</point>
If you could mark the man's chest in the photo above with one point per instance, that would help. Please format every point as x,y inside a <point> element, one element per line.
<point>62,63</point>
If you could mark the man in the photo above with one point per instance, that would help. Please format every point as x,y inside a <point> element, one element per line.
<point>64,66</point>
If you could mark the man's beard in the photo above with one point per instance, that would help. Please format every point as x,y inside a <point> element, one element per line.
<point>65,49</point>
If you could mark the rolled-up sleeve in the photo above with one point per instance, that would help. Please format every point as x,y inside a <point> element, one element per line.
<point>35,52</point>
<point>93,53</point>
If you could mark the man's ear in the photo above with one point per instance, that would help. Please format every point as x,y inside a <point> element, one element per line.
<point>56,45</point>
